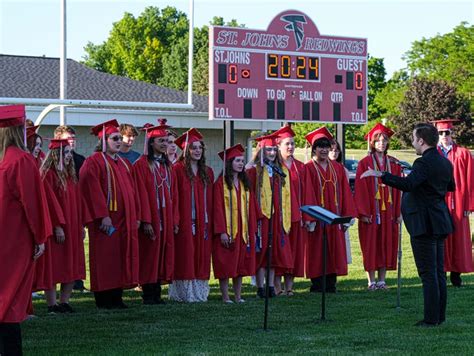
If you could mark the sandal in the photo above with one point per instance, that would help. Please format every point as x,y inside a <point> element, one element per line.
<point>290,293</point>
<point>372,286</point>
<point>381,285</point>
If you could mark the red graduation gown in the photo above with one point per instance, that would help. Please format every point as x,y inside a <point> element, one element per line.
<point>193,252</point>
<point>239,258</point>
<point>43,267</point>
<point>344,206</point>
<point>458,245</point>
<point>378,241</point>
<point>298,234</point>
<point>281,249</point>
<point>25,219</point>
<point>113,259</point>
<point>156,256</point>
<point>68,262</point>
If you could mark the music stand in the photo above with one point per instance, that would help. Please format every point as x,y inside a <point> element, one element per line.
<point>326,217</point>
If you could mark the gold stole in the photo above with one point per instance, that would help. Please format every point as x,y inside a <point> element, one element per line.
<point>232,223</point>
<point>266,198</point>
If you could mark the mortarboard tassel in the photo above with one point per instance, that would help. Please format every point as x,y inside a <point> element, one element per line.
<point>103,139</point>
<point>61,165</point>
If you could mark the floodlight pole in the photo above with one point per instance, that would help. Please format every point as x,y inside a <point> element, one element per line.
<point>63,63</point>
<point>191,52</point>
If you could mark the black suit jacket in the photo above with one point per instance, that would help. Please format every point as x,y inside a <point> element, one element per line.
<point>78,161</point>
<point>424,208</point>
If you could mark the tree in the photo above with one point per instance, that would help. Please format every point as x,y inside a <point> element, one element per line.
<point>449,57</point>
<point>136,46</point>
<point>426,100</point>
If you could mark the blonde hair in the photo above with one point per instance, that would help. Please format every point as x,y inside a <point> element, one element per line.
<point>11,136</point>
<point>52,162</point>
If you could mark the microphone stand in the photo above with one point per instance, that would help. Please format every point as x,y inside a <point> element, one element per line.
<point>269,249</point>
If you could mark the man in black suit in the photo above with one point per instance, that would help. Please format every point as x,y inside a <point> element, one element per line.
<point>426,217</point>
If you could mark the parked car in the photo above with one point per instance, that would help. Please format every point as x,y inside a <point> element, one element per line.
<point>351,166</point>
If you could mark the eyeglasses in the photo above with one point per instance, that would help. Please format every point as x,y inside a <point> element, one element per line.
<point>116,138</point>
<point>445,132</point>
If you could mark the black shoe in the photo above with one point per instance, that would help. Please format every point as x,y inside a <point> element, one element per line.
<point>79,285</point>
<point>271,292</point>
<point>66,307</point>
<point>261,293</point>
<point>55,309</point>
<point>455,278</point>
<point>425,324</point>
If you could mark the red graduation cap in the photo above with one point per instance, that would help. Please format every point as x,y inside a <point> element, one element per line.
<point>146,127</point>
<point>31,131</point>
<point>445,124</point>
<point>379,128</point>
<point>267,140</point>
<point>284,132</point>
<point>190,136</point>
<point>12,115</point>
<point>57,143</point>
<point>107,128</point>
<point>158,131</point>
<point>232,152</point>
<point>322,132</point>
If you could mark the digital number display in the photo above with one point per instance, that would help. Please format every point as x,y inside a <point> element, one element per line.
<point>292,67</point>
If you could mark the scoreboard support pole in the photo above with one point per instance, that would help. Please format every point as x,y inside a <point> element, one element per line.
<point>229,134</point>
<point>341,138</point>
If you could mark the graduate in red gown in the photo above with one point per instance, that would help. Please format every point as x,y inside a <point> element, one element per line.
<point>155,184</point>
<point>458,246</point>
<point>235,223</point>
<point>194,180</point>
<point>67,247</point>
<point>109,195</point>
<point>34,143</point>
<point>327,186</point>
<point>25,218</point>
<point>263,176</point>
<point>378,207</point>
<point>43,276</point>
<point>297,235</point>
<point>172,147</point>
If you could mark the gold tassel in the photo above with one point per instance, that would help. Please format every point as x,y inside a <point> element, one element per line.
<point>377,195</point>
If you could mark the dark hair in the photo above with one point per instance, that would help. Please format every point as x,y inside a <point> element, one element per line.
<point>320,142</point>
<point>60,130</point>
<point>98,147</point>
<point>128,129</point>
<point>202,168</point>
<point>428,133</point>
<point>375,137</point>
<point>31,142</point>
<point>151,153</point>
<point>338,147</point>
<point>228,177</point>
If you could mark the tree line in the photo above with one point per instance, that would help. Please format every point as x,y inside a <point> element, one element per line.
<point>438,81</point>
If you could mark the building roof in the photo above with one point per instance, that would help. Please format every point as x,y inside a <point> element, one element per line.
<point>38,77</point>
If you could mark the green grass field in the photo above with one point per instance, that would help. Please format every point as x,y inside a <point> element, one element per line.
<point>359,322</point>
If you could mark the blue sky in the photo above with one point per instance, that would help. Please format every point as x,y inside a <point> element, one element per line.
<point>32,27</point>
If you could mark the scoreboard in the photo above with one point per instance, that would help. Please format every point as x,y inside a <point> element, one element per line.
<point>287,73</point>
